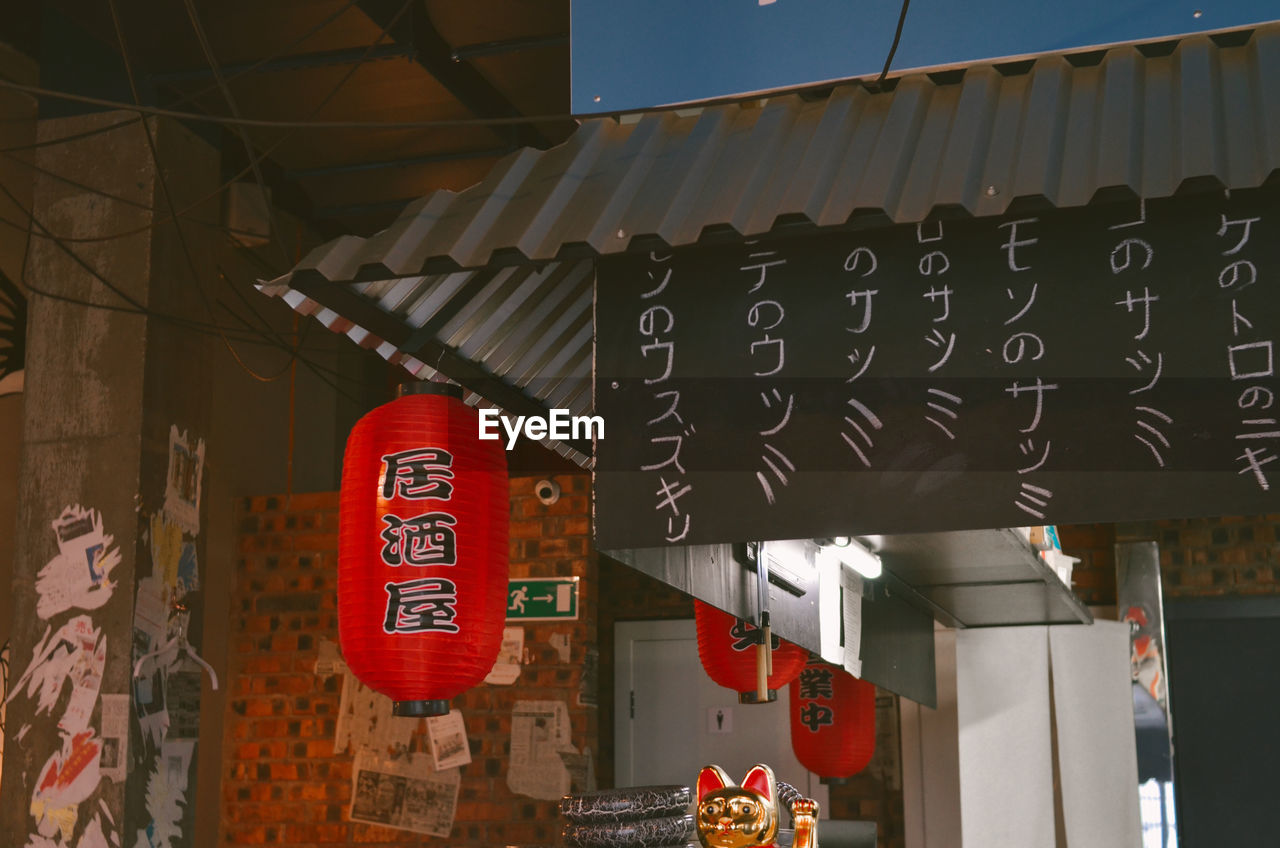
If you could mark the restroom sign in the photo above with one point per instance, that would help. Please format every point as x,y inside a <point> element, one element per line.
<point>546,599</point>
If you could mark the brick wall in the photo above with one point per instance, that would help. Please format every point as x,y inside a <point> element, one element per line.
<point>1199,557</point>
<point>283,783</point>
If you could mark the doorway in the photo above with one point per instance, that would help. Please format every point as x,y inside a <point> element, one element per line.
<point>1223,689</point>
<point>671,719</point>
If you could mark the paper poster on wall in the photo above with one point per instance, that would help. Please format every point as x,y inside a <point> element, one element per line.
<point>507,667</point>
<point>115,737</point>
<point>85,677</point>
<point>539,731</point>
<point>188,570</point>
<point>448,736</point>
<point>149,696</point>
<point>851,608</point>
<point>167,794</point>
<point>95,836</point>
<point>149,614</point>
<point>561,644</point>
<point>182,699</point>
<point>405,793</point>
<point>365,720</point>
<point>184,481</point>
<point>166,552</point>
<point>67,779</point>
<point>78,575</point>
<point>582,770</point>
<point>328,660</point>
<point>54,659</point>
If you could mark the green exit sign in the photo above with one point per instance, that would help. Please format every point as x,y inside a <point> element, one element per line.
<point>542,599</point>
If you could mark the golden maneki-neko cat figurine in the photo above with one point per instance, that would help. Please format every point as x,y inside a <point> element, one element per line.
<point>746,815</point>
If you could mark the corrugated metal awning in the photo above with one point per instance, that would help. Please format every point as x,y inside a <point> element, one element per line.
<point>492,286</point>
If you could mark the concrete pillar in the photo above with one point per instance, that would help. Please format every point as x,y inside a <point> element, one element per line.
<point>105,388</point>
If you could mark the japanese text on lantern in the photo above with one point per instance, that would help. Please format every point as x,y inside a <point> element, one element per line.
<point>746,636</point>
<point>667,430</point>
<point>817,690</point>
<point>425,604</point>
<point>1250,355</point>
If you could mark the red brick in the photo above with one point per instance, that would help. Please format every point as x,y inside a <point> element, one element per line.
<point>522,486</point>
<point>313,501</point>
<point>286,714</point>
<point>321,833</point>
<point>247,835</point>
<point>526,529</point>
<point>264,665</point>
<point>315,542</point>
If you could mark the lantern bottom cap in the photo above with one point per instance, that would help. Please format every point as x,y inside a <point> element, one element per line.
<point>754,698</point>
<point>834,781</point>
<point>416,709</point>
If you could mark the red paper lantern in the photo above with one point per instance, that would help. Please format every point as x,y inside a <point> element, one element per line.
<point>833,721</point>
<point>422,549</point>
<point>727,648</point>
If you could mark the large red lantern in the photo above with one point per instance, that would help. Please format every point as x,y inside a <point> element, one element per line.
<point>833,721</point>
<point>422,549</point>
<point>727,648</point>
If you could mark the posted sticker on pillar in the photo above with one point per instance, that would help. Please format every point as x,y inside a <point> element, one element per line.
<point>727,648</point>
<point>422,549</point>
<point>833,721</point>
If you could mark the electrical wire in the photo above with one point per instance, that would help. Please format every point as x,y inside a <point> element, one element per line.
<point>209,89</point>
<point>893,48</point>
<point>294,353</point>
<point>270,337</point>
<point>205,47</point>
<point>226,92</point>
<point>267,123</point>
<point>252,166</point>
<point>133,305</point>
<point>436,123</point>
<point>242,123</point>
<point>168,199</point>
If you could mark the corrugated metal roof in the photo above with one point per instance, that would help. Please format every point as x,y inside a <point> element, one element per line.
<point>1144,120</point>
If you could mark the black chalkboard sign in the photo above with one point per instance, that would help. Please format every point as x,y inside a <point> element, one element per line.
<point>1107,363</point>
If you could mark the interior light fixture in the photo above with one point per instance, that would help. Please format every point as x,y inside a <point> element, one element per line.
<point>852,554</point>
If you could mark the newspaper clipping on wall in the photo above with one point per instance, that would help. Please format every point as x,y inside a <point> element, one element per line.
<point>539,732</point>
<point>405,793</point>
<point>449,745</point>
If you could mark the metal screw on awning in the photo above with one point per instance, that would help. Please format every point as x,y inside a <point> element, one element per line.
<point>992,191</point>
<point>597,97</point>
<point>622,233</point>
<point>1197,13</point>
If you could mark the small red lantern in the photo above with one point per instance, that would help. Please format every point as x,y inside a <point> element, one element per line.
<point>833,721</point>
<point>422,549</point>
<point>727,648</point>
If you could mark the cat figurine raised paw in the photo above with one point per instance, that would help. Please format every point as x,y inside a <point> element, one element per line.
<point>746,816</point>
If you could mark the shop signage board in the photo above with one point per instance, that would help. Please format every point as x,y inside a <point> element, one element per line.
<point>1107,363</point>
<point>549,599</point>
<point>633,54</point>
